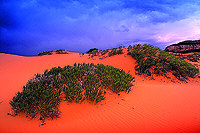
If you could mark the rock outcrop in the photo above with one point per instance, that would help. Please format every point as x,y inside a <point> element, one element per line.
<point>184,47</point>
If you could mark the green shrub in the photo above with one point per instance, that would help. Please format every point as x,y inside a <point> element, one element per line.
<point>193,58</point>
<point>38,97</point>
<point>156,61</point>
<point>92,49</point>
<point>61,51</point>
<point>113,51</point>
<point>42,94</point>
<point>45,53</point>
<point>103,52</point>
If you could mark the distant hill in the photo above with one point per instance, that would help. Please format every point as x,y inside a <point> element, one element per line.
<point>184,47</point>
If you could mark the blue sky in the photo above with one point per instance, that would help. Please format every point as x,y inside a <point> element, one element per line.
<point>31,26</point>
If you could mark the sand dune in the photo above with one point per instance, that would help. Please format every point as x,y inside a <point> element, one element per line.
<point>152,106</point>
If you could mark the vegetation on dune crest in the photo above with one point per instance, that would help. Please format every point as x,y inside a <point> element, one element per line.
<point>59,51</point>
<point>43,93</point>
<point>45,53</point>
<point>114,51</point>
<point>152,60</point>
<point>91,50</point>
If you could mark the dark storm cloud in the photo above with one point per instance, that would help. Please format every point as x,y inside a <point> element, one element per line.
<point>30,26</point>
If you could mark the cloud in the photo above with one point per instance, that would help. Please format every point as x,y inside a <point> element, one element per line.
<point>179,30</point>
<point>31,26</point>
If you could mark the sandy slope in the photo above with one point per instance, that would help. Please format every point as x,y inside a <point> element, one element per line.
<point>152,106</point>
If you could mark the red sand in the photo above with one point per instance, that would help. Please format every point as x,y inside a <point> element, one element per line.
<point>152,105</point>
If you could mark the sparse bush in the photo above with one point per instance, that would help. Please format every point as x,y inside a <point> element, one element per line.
<point>45,53</point>
<point>115,51</point>
<point>193,57</point>
<point>61,51</point>
<point>103,52</point>
<point>92,49</point>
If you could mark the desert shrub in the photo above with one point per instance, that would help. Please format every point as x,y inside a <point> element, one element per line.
<point>193,57</point>
<point>43,93</point>
<point>38,97</point>
<point>45,53</point>
<point>92,49</point>
<point>115,51</point>
<point>103,52</point>
<point>93,52</point>
<point>152,60</point>
<point>61,51</point>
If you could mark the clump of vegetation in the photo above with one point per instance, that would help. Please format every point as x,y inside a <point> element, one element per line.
<point>152,60</point>
<point>193,57</point>
<point>61,51</point>
<point>113,51</point>
<point>103,52</point>
<point>91,50</point>
<point>43,93</point>
<point>45,53</point>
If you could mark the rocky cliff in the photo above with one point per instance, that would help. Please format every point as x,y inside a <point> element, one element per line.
<point>184,47</point>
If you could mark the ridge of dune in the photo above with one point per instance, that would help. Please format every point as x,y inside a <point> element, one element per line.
<point>152,106</point>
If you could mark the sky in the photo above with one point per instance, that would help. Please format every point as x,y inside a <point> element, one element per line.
<point>28,27</point>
